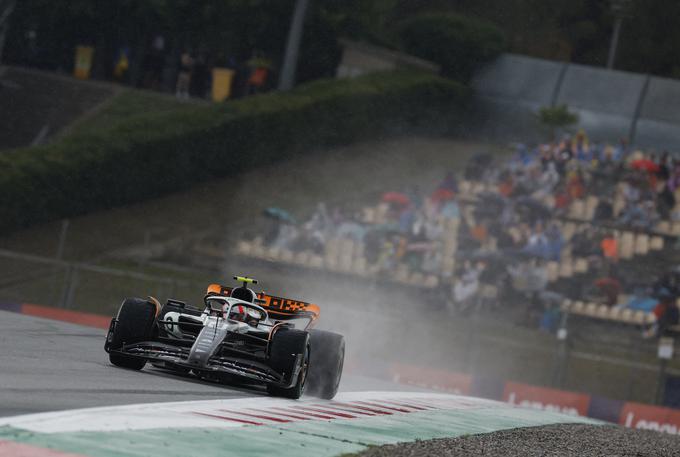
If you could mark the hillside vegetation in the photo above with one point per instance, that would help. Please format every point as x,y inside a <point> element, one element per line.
<point>148,155</point>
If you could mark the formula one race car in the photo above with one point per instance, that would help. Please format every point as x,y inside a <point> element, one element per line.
<point>239,335</point>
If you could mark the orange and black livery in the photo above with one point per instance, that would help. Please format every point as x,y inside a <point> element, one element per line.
<point>278,307</point>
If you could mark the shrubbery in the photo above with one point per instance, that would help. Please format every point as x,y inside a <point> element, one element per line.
<point>557,117</point>
<point>459,44</point>
<point>148,156</point>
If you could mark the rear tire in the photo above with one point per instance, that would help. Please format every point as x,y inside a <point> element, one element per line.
<point>286,345</point>
<point>326,363</point>
<point>136,318</point>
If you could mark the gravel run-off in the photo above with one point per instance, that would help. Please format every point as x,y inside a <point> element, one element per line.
<point>553,440</point>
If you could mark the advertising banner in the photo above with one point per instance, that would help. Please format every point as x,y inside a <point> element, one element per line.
<point>546,399</point>
<point>647,417</point>
<point>605,409</point>
<point>431,378</point>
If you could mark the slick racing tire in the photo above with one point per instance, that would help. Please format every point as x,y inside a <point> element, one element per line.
<point>136,318</point>
<point>285,347</point>
<point>325,365</point>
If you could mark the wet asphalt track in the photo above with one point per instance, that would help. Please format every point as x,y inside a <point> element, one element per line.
<point>48,365</point>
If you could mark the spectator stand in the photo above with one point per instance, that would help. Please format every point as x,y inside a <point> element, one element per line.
<point>539,226</point>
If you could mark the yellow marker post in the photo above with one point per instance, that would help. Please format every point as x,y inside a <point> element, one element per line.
<point>83,64</point>
<point>221,83</point>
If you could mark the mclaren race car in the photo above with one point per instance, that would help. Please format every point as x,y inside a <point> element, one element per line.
<point>238,336</point>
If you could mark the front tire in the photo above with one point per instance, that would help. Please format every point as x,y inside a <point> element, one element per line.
<point>134,324</point>
<point>286,346</point>
<point>326,363</point>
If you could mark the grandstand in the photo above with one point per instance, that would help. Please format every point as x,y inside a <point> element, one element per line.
<point>536,230</point>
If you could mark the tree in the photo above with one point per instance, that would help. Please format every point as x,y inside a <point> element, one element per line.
<point>556,117</point>
<point>458,43</point>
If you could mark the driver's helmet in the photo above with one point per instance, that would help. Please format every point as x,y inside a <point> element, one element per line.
<point>245,314</point>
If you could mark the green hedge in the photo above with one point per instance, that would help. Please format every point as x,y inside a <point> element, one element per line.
<point>460,44</point>
<point>150,155</point>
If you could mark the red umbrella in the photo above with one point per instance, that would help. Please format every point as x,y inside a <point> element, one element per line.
<point>441,195</point>
<point>645,164</point>
<point>396,197</point>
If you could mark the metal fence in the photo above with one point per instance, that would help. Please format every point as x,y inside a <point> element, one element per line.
<point>612,104</point>
<point>29,278</point>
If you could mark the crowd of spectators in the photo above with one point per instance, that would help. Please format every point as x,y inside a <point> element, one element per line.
<point>633,188</point>
<point>503,227</point>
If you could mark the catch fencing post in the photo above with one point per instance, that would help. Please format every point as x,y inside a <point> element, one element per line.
<point>638,110</point>
<point>290,59</point>
<point>621,10</point>
<point>562,353</point>
<point>665,353</point>
<point>61,244</point>
<point>71,284</point>
<point>4,23</point>
<point>633,354</point>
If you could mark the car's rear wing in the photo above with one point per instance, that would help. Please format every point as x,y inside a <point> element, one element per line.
<point>278,308</point>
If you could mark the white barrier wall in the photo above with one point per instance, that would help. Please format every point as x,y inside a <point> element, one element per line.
<point>520,78</point>
<point>611,104</point>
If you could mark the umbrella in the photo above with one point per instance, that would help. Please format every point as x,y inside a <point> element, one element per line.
<point>279,214</point>
<point>396,197</point>
<point>645,164</point>
<point>450,209</point>
<point>442,194</point>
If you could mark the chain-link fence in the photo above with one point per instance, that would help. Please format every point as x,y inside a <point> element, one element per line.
<point>73,285</point>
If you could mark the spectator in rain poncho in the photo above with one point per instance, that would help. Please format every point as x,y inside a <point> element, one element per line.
<point>549,179</point>
<point>529,277</point>
<point>666,312</point>
<point>351,229</point>
<point>286,236</point>
<point>319,224</point>
<point>639,215</point>
<point>466,286</point>
<point>450,210</point>
<point>555,243</point>
<point>537,244</point>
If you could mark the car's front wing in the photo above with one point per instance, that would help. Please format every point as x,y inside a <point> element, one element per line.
<point>178,356</point>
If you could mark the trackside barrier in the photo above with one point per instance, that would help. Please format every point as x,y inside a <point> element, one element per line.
<point>571,403</point>
<point>57,314</point>
<point>628,414</point>
<point>636,415</point>
<point>611,104</point>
